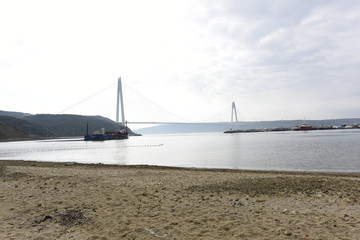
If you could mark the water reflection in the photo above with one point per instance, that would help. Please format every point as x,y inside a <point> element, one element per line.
<point>309,151</point>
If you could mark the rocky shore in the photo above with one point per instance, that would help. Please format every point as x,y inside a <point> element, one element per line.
<point>76,201</point>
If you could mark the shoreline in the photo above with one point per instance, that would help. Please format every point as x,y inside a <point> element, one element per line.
<point>58,200</point>
<point>34,163</point>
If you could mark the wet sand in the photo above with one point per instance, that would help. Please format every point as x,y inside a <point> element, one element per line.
<point>76,201</point>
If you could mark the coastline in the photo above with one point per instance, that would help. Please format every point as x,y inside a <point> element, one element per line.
<point>41,200</point>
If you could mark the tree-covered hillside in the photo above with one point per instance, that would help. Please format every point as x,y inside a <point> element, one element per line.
<point>50,125</point>
<point>66,125</point>
<point>31,129</point>
<point>10,132</point>
<point>14,114</point>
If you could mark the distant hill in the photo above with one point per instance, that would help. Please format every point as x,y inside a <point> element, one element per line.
<point>31,129</point>
<point>10,132</point>
<point>66,125</point>
<point>51,125</point>
<point>224,126</point>
<point>14,114</point>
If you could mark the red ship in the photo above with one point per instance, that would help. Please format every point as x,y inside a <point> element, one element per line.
<point>305,127</point>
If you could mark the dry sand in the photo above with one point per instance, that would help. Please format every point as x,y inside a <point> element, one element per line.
<point>74,201</point>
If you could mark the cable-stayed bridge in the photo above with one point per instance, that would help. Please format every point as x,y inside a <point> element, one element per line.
<point>120,108</point>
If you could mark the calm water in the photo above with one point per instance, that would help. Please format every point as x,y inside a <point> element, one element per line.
<point>334,150</point>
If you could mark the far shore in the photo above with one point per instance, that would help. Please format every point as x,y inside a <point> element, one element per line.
<point>52,200</point>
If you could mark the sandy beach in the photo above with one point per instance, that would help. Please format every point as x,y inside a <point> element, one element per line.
<point>76,201</point>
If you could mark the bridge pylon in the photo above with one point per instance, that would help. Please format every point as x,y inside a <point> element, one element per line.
<point>233,112</point>
<point>120,103</point>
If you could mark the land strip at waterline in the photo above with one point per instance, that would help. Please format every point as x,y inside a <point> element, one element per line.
<point>44,200</point>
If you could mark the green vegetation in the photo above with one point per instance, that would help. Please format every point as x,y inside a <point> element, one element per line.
<point>28,129</point>
<point>10,132</point>
<point>20,115</point>
<point>26,126</point>
<point>66,125</point>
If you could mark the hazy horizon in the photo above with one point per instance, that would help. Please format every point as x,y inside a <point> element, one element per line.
<point>226,121</point>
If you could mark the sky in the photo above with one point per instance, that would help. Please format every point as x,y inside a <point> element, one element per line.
<point>182,60</point>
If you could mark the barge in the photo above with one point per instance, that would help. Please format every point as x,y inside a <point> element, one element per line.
<point>101,135</point>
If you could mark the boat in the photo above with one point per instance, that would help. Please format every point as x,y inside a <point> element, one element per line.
<point>107,136</point>
<point>305,127</point>
<point>101,135</point>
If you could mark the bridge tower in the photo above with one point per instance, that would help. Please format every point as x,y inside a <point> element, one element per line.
<point>233,111</point>
<point>120,100</point>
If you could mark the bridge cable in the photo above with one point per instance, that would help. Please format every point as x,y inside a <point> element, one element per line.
<point>155,104</point>
<point>93,95</point>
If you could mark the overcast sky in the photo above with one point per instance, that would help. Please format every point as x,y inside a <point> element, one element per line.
<point>278,59</point>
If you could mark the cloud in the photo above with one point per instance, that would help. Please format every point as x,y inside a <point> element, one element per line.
<point>193,55</point>
<point>258,47</point>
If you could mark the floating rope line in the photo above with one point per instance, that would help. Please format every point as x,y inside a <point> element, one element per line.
<point>93,147</point>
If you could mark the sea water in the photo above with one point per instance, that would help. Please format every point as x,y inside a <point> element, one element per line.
<point>326,150</point>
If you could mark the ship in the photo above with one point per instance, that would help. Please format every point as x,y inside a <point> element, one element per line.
<point>305,127</point>
<point>102,135</point>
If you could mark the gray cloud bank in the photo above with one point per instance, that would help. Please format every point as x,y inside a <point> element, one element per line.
<point>279,54</point>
